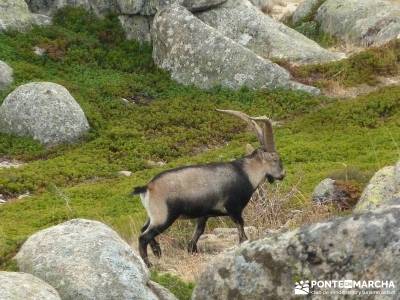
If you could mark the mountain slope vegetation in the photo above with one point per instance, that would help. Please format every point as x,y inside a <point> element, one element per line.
<point>140,118</point>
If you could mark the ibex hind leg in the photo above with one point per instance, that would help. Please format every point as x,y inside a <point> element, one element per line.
<point>149,234</point>
<point>155,246</point>
<point>199,230</point>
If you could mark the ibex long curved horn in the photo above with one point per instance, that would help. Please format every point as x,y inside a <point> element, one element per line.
<point>265,134</point>
<point>268,133</point>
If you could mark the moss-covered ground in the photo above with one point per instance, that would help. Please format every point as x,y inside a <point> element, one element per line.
<point>165,121</point>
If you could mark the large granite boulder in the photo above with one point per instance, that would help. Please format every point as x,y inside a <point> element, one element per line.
<point>6,75</point>
<point>306,10</point>
<point>362,22</point>
<point>99,7</point>
<point>242,22</point>
<point>44,111</point>
<point>86,259</point>
<point>22,286</point>
<point>151,7</point>
<point>120,7</point>
<point>136,27</point>
<point>351,250</point>
<point>197,54</point>
<point>359,22</point>
<point>15,15</point>
<point>382,187</point>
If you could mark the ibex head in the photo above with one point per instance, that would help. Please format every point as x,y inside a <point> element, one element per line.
<point>268,160</point>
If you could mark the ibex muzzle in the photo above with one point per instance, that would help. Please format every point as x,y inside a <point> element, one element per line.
<point>210,190</point>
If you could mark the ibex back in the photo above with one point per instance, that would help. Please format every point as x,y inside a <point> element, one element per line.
<point>210,190</point>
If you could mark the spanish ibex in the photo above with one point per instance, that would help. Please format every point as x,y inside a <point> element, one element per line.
<point>210,190</point>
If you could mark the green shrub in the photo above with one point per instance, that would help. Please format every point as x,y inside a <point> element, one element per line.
<point>362,67</point>
<point>182,290</point>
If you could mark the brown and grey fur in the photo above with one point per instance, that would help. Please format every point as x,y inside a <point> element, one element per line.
<point>210,190</point>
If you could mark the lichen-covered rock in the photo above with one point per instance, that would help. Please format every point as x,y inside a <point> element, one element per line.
<point>44,111</point>
<point>343,194</point>
<point>197,54</point>
<point>119,7</point>
<point>99,7</point>
<point>22,286</point>
<point>136,27</point>
<point>360,247</point>
<point>86,259</point>
<point>240,21</point>
<point>15,15</point>
<point>305,10</point>
<point>324,191</point>
<point>360,22</point>
<point>150,7</point>
<point>6,75</point>
<point>200,5</point>
<point>383,186</point>
<point>131,7</point>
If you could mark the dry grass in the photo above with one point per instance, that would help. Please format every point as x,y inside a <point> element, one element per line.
<point>271,209</point>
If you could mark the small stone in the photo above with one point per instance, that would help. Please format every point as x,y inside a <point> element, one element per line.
<point>39,51</point>
<point>25,195</point>
<point>125,173</point>
<point>324,192</point>
<point>151,163</point>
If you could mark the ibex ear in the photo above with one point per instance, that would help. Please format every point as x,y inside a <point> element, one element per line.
<point>249,149</point>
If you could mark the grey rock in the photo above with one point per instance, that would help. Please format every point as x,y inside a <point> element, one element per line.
<point>22,286</point>
<point>248,26</point>
<point>201,5</point>
<point>305,10</point>
<point>6,75</point>
<point>161,292</point>
<point>360,247</point>
<point>44,111</point>
<point>136,27</point>
<point>120,7</point>
<point>360,22</point>
<point>151,7</point>
<point>382,187</point>
<point>324,191</point>
<point>99,7</point>
<point>131,7</point>
<point>197,54</point>
<point>86,259</point>
<point>261,3</point>
<point>15,15</point>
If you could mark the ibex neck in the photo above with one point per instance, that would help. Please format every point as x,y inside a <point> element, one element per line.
<point>255,170</point>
